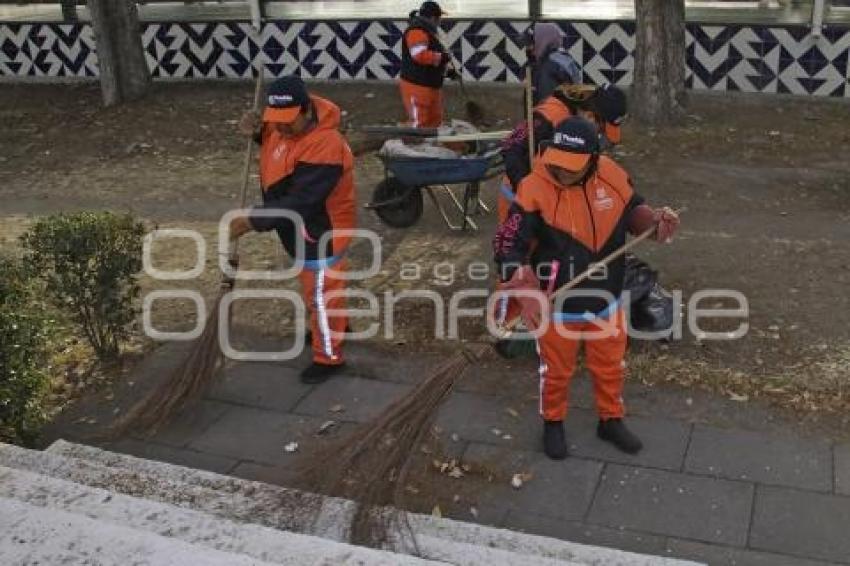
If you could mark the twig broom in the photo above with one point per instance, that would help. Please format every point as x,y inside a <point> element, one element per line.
<point>372,466</point>
<point>196,372</point>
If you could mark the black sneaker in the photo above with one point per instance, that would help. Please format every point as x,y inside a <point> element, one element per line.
<point>554,441</point>
<point>319,373</point>
<point>615,432</point>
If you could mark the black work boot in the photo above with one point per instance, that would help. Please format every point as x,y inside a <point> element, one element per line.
<point>615,432</point>
<point>554,442</point>
<point>318,373</point>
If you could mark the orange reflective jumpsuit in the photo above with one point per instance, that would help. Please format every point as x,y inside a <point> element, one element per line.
<point>573,228</point>
<point>312,175</point>
<point>423,69</point>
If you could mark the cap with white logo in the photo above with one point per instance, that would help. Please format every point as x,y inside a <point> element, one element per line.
<point>574,142</point>
<point>284,100</point>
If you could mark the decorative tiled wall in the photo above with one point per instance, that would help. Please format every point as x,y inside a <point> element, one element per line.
<point>786,59</point>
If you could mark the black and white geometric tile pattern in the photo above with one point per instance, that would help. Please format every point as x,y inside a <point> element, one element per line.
<point>752,58</point>
<point>47,50</point>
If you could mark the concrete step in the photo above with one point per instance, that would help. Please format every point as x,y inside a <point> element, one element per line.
<point>86,507</point>
<point>36,535</point>
<point>273,506</point>
<point>275,510</point>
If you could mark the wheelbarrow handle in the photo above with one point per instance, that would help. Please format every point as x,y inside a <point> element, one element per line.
<point>398,131</point>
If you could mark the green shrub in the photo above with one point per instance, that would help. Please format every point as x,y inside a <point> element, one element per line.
<point>89,262</point>
<point>25,332</point>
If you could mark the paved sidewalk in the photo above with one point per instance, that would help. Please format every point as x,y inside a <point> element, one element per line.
<point>750,495</point>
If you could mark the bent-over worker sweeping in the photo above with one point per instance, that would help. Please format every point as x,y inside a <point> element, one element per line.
<point>306,167</point>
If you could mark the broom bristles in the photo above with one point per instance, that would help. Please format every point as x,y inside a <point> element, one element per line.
<point>372,465</point>
<point>185,383</point>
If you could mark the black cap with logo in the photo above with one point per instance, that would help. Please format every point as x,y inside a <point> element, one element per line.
<point>284,99</point>
<point>574,142</point>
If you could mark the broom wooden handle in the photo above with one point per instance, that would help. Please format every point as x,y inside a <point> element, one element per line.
<point>590,271</point>
<point>249,148</point>
<point>246,165</point>
<point>529,115</point>
<point>601,264</point>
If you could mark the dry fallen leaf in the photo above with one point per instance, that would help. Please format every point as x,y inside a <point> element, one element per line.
<point>456,473</point>
<point>512,412</point>
<point>739,398</point>
<point>326,427</point>
<point>338,408</point>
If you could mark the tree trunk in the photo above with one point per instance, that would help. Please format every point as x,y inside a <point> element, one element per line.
<point>123,69</point>
<point>659,91</point>
<point>69,10</point>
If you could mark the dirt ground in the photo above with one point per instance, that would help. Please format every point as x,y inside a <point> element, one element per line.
<point>764,180</point>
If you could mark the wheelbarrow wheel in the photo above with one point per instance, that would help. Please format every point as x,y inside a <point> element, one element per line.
<point>403,205</point>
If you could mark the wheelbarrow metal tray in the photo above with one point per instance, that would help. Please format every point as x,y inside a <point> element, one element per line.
<point>420,172</point>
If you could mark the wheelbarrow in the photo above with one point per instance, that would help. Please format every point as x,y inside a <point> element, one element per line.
<point>398,200</point>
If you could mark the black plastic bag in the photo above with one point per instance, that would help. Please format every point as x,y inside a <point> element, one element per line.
<point>655,312</point>
<point>639,278</point>
<point>650,306</point>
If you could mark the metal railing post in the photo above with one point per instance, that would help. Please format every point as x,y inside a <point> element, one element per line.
<point>817,18</point>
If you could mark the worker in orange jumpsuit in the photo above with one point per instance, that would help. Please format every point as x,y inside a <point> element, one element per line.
<point>579,206</point>
<point>307,167</point>
<point>424,65</point>
<point>605,106</point>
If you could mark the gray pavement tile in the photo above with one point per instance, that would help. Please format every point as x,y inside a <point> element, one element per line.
<point>560,490</point>
<point>478,418</point>
<point>716,555</point>
<point>842,469</point>
<point>584,533</point>
<point>361,399</point>
<point>257,435</point>
<point>179,456</point>
<point>386,363</point>
<point>761,458</point>
<point>189,423</point>
<point>514,378</point>
<point>266,386</point>
<point>673,504</point>
<point>802,523</point>
<point>664,441</point>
